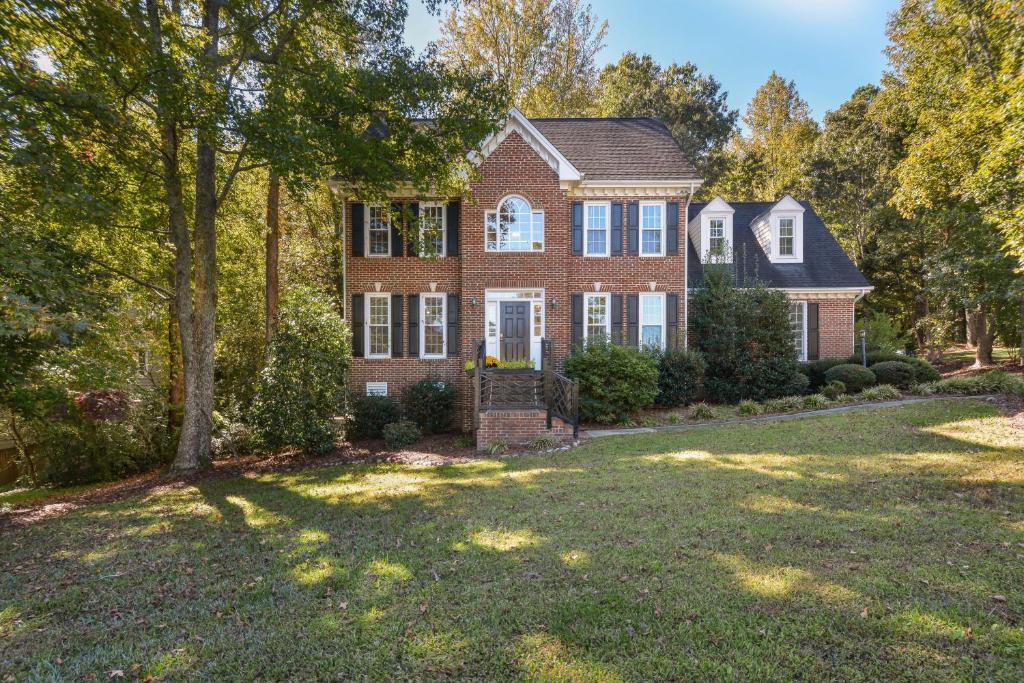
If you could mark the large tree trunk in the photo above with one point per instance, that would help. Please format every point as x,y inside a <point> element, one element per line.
<point>971,320</point>
<point>1020,359</point>
<point>273,291</point>
<point>986,336</point>
<point>175,381</point>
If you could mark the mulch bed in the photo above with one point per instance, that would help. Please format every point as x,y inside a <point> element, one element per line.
<point>432,450</point>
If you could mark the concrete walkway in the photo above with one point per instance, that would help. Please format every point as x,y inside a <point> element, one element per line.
<point>782,417</point>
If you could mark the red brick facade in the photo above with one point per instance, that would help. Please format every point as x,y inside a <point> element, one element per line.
<point>518,427</point>
<point>835,324</point>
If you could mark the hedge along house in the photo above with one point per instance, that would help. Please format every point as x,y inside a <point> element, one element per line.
<point>573,228</point>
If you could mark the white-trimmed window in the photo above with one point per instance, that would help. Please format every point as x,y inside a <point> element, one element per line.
<point>598,322</point>
<point>378,325</point>
<point>652,320</point>
<point>433,323</point>
<point>596,228</point>
<point>378,231</point>
<point>798,323</point>
<point>514,227</point>
<point>786,237</point>
<point>716,237</point>
<point>433,226</point>
<point>652,228</point>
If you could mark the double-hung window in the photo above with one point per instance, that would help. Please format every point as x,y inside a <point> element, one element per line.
<point>786,237</point>
<point>432,229</point>
<point>432,330</point>
<point>716,237</point>
<point>597,229</point>
<point>798,323</point>
<point>514,227</point>
<point>652,228</point>
<point>598,317</point>
<point>378,231</point>
<point>378,325</point>
<point>652,320</point>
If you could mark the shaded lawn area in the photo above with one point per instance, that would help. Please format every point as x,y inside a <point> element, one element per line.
<point>886,544</point>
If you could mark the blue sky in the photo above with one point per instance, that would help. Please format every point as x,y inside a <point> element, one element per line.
<point>829,47</point>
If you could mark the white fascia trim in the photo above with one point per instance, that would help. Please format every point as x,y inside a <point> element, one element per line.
<point>518,122</point>
<point>632,188</point>
<point>854,293</point>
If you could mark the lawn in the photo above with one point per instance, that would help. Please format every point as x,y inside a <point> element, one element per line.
<point>881,545</point>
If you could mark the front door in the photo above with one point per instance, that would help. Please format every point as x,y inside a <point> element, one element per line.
<point>515,330</point>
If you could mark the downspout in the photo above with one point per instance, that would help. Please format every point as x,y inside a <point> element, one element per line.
<point>863,293</point>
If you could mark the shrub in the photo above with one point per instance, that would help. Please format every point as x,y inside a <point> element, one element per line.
<point>232,435</point>
<point>465,441</point>
<point>796,385</point>
<point>854,377</point>
<point>369,416</point>
<point>498,446</point>
<point>680,374</point>
<point>701,411</point>
<point>923,370</point>
<point>430,404</point>
<point>882,392</point>
<point>815,401</point>
<point>746,339</point>
<point>542,442</point>
<point>994,382</point>
<point>401,434</point>
<point>748,407</point>
<point>894,372</point>
<point>833,390</point>
<point>302,388</point>
<point>614,380</point>
<point>786,404</point>
<point>815,370</point>
<point>78,450</point>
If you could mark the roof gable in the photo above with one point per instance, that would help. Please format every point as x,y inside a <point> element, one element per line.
<point>545,149</point>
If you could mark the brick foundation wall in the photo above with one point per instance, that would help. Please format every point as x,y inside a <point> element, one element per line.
<point>518,427</point>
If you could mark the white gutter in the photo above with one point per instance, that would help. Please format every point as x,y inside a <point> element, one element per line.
<point>686,267</point>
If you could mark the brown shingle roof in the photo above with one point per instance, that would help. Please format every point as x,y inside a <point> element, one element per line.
<point>618,148</point>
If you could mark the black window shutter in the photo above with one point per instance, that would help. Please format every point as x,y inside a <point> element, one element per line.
<point>633,228</point>
<point>357,230</point>
<point>672,321</point>
<point>617,307</point>
<point>396,229</point>
<point>672,228</point>
<point>412,236</point>
<point>577,319</point>
<point>358,331</point>
<point>396,325</point>
<point>453,325</point>
<point>577,228</point>
<point>633,319</point>
<point>452,238</point>
<point>813,336</point>
<point>616,230</point>
<point>414,325</point>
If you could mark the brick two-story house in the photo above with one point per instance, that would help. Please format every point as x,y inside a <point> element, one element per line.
<point>573,228</point>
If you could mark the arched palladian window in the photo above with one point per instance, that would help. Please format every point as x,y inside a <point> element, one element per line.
<point>514,226</point>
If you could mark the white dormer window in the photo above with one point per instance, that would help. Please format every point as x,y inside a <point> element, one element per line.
<point>786,226</point>
<point>785,237</point>
<point>711,232</point>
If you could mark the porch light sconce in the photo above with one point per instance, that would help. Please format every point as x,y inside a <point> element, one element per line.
<point>554,303</point>
<point>652,285</point>
<point>433,286</point>
<point>597,286</point>
<point>472,300</point>
<point>376,286</point>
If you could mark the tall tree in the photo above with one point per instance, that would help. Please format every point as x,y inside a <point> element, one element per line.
<point>768,161</point>
<point>693,105</point>
<point>541,52</point>
<point>179,91</point>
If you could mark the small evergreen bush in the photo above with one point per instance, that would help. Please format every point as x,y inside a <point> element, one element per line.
<point>701,411</point>
<point>815,401</point>
<point>369,416</point>
<point>786,404</point>
<point>430,404</point>
<point>894,372</point>
<point>882,392</point>
<point>796,385</point>
<point>815,370</point>
<point>923,370</point>
<point>854,377</point>
<point>680,374</point>
<point>994,382</point>
<point>401,434</point>
<point>748,407</point>
<point>833,390</point>
<point>614,380</point>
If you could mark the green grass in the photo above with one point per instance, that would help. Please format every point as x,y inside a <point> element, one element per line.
<point>861,546</point>
<point>19,495</point>
<point>1000,354</point>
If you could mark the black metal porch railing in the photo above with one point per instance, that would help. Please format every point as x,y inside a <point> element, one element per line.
<point>498,389</point>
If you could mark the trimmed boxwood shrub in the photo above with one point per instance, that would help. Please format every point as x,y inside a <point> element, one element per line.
<point>855,377</point>
<point>614,380</point>
<point>815,370</point>
<point>680,374</point>
<point>894,372</point>
<point>430,404</point>
<point>833,390</point>
<point>401,434</point>
<point>370,414</point>
<point>923,370</point>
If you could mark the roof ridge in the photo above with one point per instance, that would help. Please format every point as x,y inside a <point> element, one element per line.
<point>596,118</point>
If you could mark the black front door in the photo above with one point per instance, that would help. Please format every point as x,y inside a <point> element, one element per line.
<point>515,330</point>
